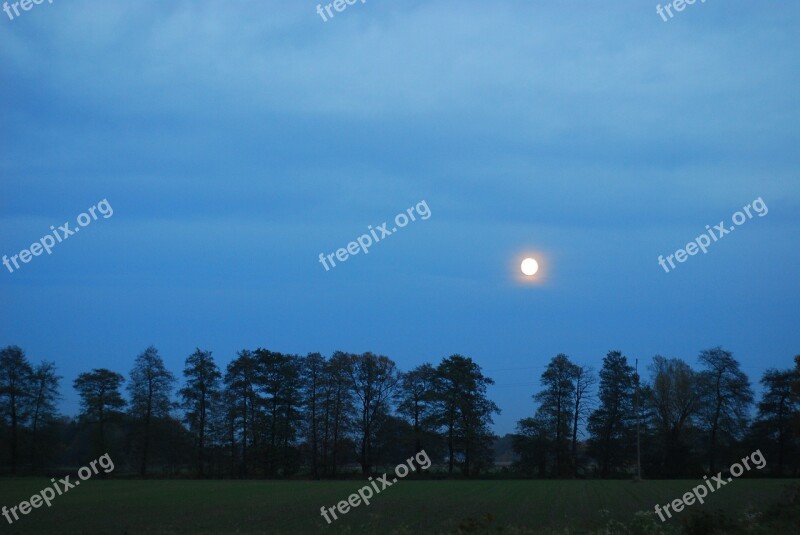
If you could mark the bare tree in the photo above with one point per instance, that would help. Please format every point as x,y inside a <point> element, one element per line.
<point>373,380</point>
<point>674,399</point>
<point>726,397</point>
<point>416,401</point>
<point>44,396</point>
<point>584,380</point>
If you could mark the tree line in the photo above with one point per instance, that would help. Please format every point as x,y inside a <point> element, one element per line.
<point>268,414</point>
<point>276,415</point>
<point>689,421</point>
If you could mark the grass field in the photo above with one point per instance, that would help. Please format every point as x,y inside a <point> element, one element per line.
<point>250,507</point>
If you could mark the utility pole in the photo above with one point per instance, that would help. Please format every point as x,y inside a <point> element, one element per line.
<point>638,447</point>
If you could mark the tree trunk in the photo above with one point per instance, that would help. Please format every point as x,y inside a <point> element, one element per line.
<point>575,441</point>
<point>34,432</point>
<point>314,467</point>
<point>243,464</point>
<point>712,447</point>
<point>364,446</point>
<point>13,431</point>
<point>450,448</point>
<point>202,438</point>
<point>146,445</point>
<point>417,433</point>
<point>336,417</point>
<point>558,436</point>
<point>780,438</point>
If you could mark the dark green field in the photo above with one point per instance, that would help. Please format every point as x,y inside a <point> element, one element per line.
<point>242,507</point>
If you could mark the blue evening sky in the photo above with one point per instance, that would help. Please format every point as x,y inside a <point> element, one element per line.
<point>236,141</point>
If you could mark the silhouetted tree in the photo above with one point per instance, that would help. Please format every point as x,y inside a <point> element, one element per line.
<point>338,409</point>
<point>533,446</point>
<point>15,391</point>
<point>416,401</point>
<point>150,389</point>
<point>44,396</point>
<point>612,425</point>
<point>725,399</point>
<point>240,383</point>
<point>199,397</point>
<point>278,388</point>
<point>776,412</point>
<point>465,412</point>
<point>291,413</point>
<point>101,401</point>
<point>373,380</point>
<point>557,406</point>
<point>314,373</point>
<point>674,399</point>
<point>584,381</point>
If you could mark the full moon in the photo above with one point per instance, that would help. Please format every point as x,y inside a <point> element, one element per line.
<point>529,266</point>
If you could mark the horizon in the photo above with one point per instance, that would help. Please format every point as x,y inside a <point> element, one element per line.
<point>71,402</point>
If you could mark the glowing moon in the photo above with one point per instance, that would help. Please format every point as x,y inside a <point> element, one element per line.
<point>529,266</point>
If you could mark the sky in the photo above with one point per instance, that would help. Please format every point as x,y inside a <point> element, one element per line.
<point>236,141</point>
